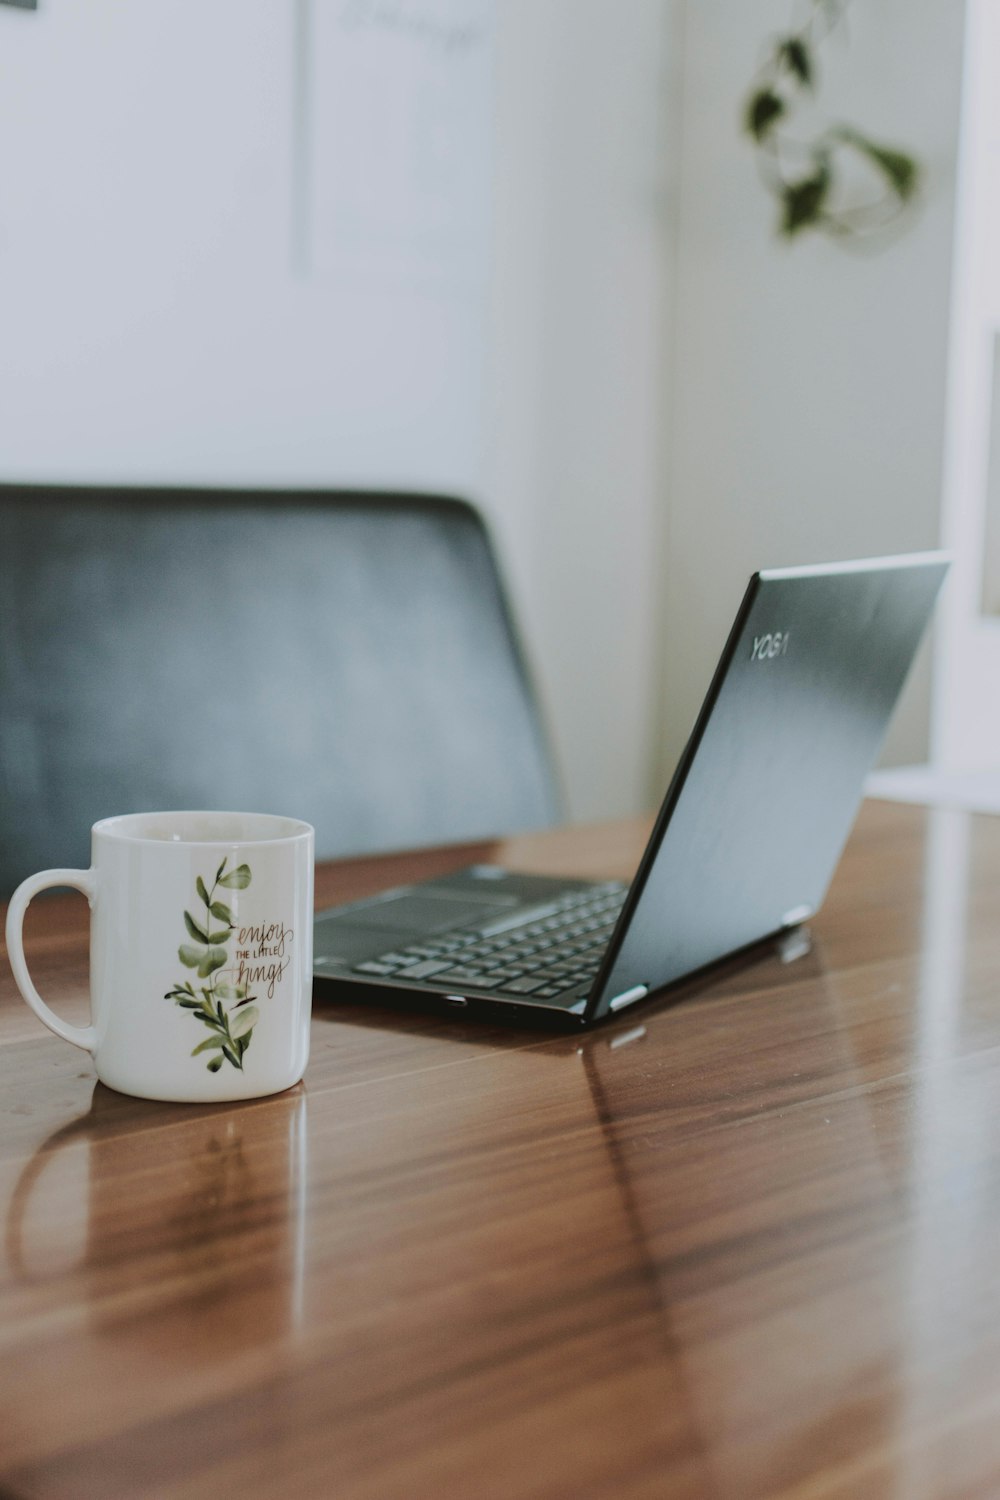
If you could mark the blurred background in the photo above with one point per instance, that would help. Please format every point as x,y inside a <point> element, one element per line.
<point>520,251</point>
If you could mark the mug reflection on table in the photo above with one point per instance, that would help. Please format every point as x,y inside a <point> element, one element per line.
<point>196,1183</point>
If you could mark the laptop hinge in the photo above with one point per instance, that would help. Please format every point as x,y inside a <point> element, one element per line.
<point>628,997</point>
<point>796,915</point>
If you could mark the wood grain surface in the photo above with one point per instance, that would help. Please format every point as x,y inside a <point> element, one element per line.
<point>743,1242</point>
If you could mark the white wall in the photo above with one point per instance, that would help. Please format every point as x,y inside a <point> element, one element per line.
<point>966,720</point>
<point>153,324</point>
<point>576,401</point>
<point>809,382</point>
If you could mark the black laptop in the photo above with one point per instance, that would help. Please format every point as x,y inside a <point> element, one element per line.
<point>745,844</point>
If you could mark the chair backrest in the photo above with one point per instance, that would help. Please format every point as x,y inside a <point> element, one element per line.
<point>345,658</point>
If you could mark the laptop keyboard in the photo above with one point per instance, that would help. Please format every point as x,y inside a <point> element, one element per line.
<point>551,950</point>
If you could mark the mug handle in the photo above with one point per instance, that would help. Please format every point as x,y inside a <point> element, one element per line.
<point>79,880</point>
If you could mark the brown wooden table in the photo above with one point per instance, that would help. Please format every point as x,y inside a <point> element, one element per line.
<point>743,1242</point>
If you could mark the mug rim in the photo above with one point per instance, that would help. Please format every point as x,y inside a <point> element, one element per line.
<point>116,828</point>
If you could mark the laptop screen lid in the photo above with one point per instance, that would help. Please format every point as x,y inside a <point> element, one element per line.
<point>766,792</point>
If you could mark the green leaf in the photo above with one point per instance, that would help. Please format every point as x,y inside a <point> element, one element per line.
<point>238,879</point>
<point>190,956</point>
<point>198,933</point>
<point>803,201</point>
<point>219,937</point>
<point>899,169</point>
<point>215,1065</point>
<point>212,959</point>
<point>231,991</point>
<point>190,1004</point>
<point>202,892</point>
<point>764,109</point>
<point>796,57</point>
<point>244,1020</point>
<point>221,910</point>
<point>210,1044</point>
<point>218,873</point>
<point>231,1056</point>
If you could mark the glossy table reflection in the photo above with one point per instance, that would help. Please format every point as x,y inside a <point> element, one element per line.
<point>739,1243</point>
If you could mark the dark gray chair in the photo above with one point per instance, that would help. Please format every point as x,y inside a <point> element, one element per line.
<point>344,658</point>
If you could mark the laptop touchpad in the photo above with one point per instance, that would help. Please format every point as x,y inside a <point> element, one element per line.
<point>410,912</point>
<point>363,931</point>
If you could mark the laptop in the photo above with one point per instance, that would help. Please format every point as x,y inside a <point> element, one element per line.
<point>744,847</point>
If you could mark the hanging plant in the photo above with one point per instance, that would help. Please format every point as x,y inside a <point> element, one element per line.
<point>814,178</point>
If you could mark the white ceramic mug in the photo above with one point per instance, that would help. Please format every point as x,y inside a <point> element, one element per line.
<point>200,953</point>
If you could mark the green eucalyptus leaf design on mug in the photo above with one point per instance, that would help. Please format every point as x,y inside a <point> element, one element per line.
<point>230,1029</point>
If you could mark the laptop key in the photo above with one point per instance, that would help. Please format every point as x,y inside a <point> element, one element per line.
<point>371,967</point>
<point>464,976</point>
<point>424,969</point>
<point>527,985</point>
